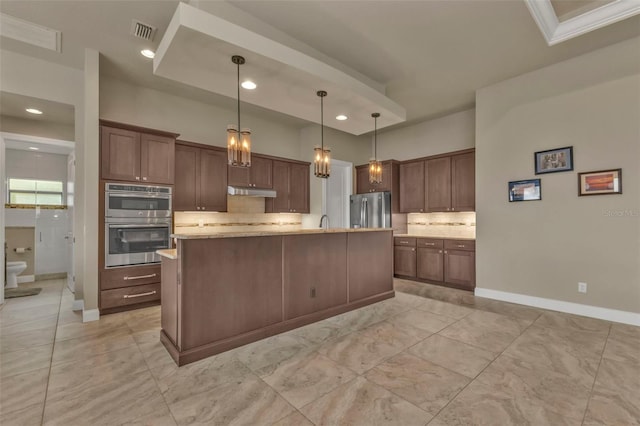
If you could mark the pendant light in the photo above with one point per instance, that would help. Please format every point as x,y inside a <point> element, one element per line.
<point>322,157</point>
<point>375,167</point>
<point>238,139</point>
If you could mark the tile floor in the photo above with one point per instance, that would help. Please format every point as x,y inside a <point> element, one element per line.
<point>437,357</point>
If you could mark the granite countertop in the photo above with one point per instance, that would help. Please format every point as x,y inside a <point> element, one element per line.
<point>435,237</point>
<point>205,235</point>
<point>168,253</point>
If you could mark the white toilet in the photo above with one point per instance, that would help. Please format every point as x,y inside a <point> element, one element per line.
<point>13,270</point>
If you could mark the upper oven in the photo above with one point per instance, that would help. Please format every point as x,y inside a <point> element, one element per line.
<point>137,201</point>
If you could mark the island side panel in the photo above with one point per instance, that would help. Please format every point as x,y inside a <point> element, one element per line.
<point>314,262</point>
<point>370,264</point>
<point>229,286</point>
<point>169,297</point>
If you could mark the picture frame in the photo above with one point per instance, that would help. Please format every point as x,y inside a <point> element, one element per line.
<point>600,182</point>
<point>525,190</point>
<point>554,160</point>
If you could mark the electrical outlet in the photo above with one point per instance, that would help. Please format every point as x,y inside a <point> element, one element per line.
<point>313,292</point>
<point>582,287</point>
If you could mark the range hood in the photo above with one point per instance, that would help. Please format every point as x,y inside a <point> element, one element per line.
<point>251,192</point>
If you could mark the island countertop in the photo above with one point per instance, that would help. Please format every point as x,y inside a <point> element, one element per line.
<point>206,235</point>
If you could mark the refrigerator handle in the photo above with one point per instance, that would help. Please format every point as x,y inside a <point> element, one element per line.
<point>365,213</point>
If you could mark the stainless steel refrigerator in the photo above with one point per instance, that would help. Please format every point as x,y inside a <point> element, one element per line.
<point>372,210</point>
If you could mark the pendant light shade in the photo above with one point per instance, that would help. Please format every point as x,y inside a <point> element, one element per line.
<point>238,139</point>
<point>322,156</point>
<point>375,166</point>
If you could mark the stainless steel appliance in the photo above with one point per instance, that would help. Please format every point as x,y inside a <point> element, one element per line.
<point>372,210</point>
<point>137,223</point>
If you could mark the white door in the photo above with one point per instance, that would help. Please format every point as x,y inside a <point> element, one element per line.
<point>336,191</point>
<point>70,240</point>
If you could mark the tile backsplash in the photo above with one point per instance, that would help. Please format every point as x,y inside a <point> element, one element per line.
<point>445,225</point>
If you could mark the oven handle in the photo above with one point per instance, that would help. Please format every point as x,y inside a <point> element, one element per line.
<point>138,195</point>
<point>142,225</point>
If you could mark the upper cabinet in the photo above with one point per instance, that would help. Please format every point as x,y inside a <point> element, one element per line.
<point>444,183</point>
<point>259,175</point>
<point>134,154</point>
<point>200,178</point>
<point>291,183</point>
<point>390,182</point>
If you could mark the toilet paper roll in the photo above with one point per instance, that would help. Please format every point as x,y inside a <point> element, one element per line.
<point>21,250</point>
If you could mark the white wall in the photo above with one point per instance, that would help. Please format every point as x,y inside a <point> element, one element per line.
<point>543,248</point>
<point>37,128</point>
<point>37,165</point>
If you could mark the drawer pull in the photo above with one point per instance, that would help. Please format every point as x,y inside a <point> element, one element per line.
<point>140,277</point>
<point>404,242</point>
<point>413,249</point>
<point>460,245</point>
<point>131,296</point>
<point>429,244</point>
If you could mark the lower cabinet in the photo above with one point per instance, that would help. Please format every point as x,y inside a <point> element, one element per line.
<point>448,262</point>
<point>129,287</point>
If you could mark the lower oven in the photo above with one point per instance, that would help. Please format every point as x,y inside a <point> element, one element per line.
<point>135,241</point>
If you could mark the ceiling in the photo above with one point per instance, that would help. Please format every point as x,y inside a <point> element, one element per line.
<point>567,9</point>
<point>429,56</point>
<point>14,105</point>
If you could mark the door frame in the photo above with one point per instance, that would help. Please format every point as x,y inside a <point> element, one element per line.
<point>348,188</point>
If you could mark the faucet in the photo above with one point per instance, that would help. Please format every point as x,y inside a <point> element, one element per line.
<point>324,216</point>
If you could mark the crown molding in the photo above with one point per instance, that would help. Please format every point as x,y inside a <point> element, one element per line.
<point>556,32</point>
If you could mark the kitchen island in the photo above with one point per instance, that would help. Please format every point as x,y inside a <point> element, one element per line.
<point>221,291</point>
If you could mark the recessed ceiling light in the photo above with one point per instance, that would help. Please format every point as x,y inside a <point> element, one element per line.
<point>33,111</point>
<point>341,117</point>
<point>248,84</point>
<point>147,53</point>
<point>33,148</point>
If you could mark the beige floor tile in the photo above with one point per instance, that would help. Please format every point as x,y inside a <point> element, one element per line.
<point>89,329</point>
<point>574,322</point>
<point>359,352</point>
<point>117,402</point>
<point>420,382</point>
<point>44,323</point>
<point>25,340</point>
<point>361,402</point>
<point>295,419</point>
<point>510,309</point>
<point>356,320</point>
<point>456,356</point>
<point>25,360</point>
<point>265,355</point>
<point>22,390</point>
<point>303,379</point>
<point>443,308</point>
<point>69,316</point>
<point>320,332</point>
<point>423,320</point>
<point>86,347</point>
<point>387,308</point>
<point>489,331</point>
<point>400,335</point>
<point>409,299</point>
<point>27,416</point>
<point>143,319</point>
<point>623,344</point>
<point>245,401</point>
<point>154,352</point>
<point>480,404</point>
<point>9,316</point>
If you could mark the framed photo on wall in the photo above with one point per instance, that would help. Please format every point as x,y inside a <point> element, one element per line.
<point>600,182</point>
<point>554,160</point>
<point>525,190</point>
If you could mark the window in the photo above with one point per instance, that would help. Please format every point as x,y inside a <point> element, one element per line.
<point>36,192</point>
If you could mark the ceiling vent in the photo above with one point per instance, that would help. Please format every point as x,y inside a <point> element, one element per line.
<point>143,31</point>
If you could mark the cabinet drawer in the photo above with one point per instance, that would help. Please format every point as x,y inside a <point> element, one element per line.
<point>128,277</point>
<point>460,245</point>
<point>129,295</point>
<point>430,243</point>
<point>404,241</point>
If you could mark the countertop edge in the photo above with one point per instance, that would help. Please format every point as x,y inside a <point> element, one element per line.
<point>168,253</point>
<point>275,233</point>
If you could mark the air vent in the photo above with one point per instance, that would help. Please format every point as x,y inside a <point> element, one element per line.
<point>143,31</point>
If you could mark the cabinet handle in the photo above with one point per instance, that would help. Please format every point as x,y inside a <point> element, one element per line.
<point>429,244</point>
<point>421,210</point>
<point>460,245</point>
<point>137,177</point>
<point>413,249</point>
<point>131,296</point>
<point>144,178</point>
<point>139,277</point>
<point>203,208</point>
<point>445,252</point>
<point>404,242</point>
<point>439,251</point>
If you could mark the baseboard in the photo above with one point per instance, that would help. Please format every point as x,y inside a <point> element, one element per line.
<point>90,315</point>
<point>607,314</point>
<point>26,279</point>
<point>51,276</point>
<point>77,305</point>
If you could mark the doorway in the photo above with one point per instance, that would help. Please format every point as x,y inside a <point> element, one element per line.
<point>336,190</point>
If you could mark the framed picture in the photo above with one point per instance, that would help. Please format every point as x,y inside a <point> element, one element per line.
<point>600,182</point>
<point>525,190</point>
<point>554,160</point>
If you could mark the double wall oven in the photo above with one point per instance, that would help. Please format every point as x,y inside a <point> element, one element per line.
<point>137,223</point>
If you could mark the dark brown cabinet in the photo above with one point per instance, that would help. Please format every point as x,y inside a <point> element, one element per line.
<point>430,259</point>
<point>130,155</point>
<point>460,264</point>
<point>404,257</point>
<point>200,178</point>
<point>463,182</point>
<point>390,182</point>
<point>291,183</point>
<point>121,288</point>
<point>259,175</point>
<point>412,187</point>
<point>438,184</point>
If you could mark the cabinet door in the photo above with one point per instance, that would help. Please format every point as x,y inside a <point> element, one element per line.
<point>279,204</point>
<point>412,187</point>
<point>261,172</point>
<point>187,182</point>
<point>298,187</point>
<point>362,180</point>
<point>120,154</point>
<point>213,180</point>
<point>460,268</point>
<point>438,184</point>
<point>239,176</point>
<point>404,261</point>
<point>157,158</point>
<point>430,264</point>
<point>387,178</point>
<point>463,182</point>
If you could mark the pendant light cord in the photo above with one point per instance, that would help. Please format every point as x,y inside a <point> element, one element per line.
<point>375,138</point>
<point>238,66</point>
<point>322,124</point>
